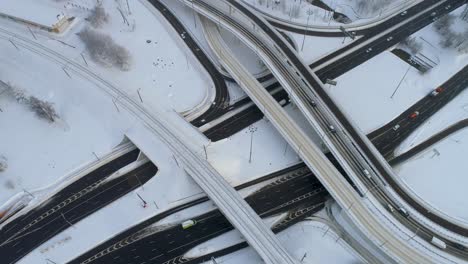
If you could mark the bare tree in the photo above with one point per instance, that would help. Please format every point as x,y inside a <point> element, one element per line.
<point>449,37</point>
<point>41,108</point>
<point>412,45</point>
<point>98,16</point>
<point>104,50</point>
<point>366,7</point>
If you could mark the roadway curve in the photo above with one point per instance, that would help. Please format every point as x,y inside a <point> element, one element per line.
<point>149,242</point>
<point>333,30</point>
<point>338,187</point>
<point>179,142</point>
<point>382,169</point>
<point>251,115</point>
<point>73,203</point>
<point>221,100</point>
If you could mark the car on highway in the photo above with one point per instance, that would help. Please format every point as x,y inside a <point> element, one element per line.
<point>390,208</point>
<point>438,242</point>
<point>366,172</point>
<point>368,50</point>
<point>436,92</point>
<point>389,38</point>
<point>189,223</point>
<point>403,212</point>
<point>332,129</point>
<point>459,246</point>
<point>404,13</point>
<point>396,127</point>
<point>414,115</point>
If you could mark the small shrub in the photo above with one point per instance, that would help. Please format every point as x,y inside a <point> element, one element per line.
<point>104,50</point>
<point>98,17</point>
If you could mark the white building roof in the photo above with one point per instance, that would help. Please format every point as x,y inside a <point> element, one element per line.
<point>40,12</point>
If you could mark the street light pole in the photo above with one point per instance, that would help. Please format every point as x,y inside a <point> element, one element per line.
<point>305,31</point>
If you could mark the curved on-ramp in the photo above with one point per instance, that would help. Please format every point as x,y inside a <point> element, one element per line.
<point>339,188</point>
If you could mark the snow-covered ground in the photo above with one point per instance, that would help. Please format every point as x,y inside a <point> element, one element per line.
<point>371,84</point>
<point>39,153</point>
<point>436,179</point>
<point>304,13</point>
<point>437,174</point>
<point>309,241</point>
<point>165,75</point>
<point>270,152</point>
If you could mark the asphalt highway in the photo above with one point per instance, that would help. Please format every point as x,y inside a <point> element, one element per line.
<point>158,244</point>
<point>386,138</point>
<point>338,187</point>
<point>252,114</point>
<point>389,39</point>
<point>324,96</point>
<point>370,33</point>
<point>429,142</point>
<point>70,205</point>
<point>221,100</point>
<point>293,216</point>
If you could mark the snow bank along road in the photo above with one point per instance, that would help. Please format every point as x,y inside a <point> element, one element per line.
<point>221,92</point>
<point>386,138</point>
<point>430,141</point>
<point>169,243</point>
<point>228,200</point>
<point>375,160</point>
<point>236,122</point>
<point>312,155</point>
<point>334,30</point>
<point>380,38</point>
<point>381,193</point>
<point>73,203</point>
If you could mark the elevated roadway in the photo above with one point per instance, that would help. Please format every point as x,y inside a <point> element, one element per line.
<point>338,187</point>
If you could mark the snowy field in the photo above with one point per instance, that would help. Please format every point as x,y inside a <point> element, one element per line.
<point>434,178</point>
<point>321,246</point>
<point>40,152</point>
<point>304,13</point>
<point>437,175</point>
<point>161,73</point>
<point>90,124</point>
<point>374,91</point>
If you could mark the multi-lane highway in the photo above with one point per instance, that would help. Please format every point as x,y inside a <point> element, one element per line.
<point>334,30</point>
<point>180,143</point>
<point>250,115</point>
<point>382,37</point>
<point>389,136</point>
<point>74,202</point>
<point>338,187</point>
<point>153,243</point>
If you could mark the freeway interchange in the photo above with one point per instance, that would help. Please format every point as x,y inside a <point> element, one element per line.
<point>364,169</point>
<point>375,161</point>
